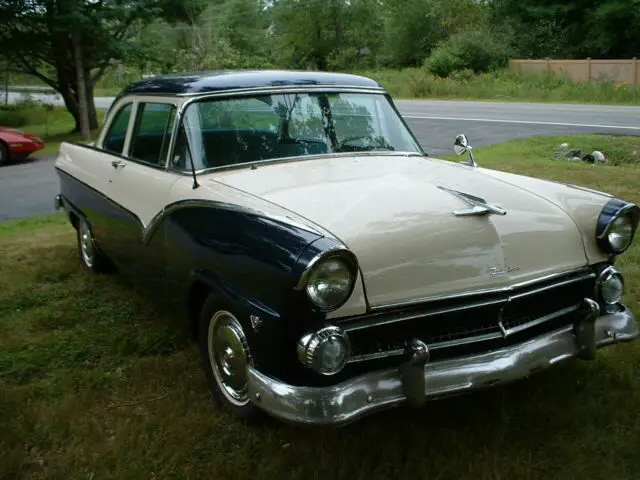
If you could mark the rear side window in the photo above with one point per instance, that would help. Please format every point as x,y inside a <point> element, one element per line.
<point>150,141</point>
<point>114,139</point>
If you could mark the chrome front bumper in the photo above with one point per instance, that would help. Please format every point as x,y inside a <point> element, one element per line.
<point>363,395</point>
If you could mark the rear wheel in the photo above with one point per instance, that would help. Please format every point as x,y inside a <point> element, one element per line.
<point>91,258</point>
<point>4,154</point>
<point>226,355</point>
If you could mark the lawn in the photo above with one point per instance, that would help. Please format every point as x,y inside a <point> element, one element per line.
<point>54,124</point>
<point>95,383</point>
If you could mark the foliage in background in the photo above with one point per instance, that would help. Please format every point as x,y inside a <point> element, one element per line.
<point>477,50</point>
<point>38,37</point>
<point>126,40</point>
<point>571,28</point>
<point>502,85</point>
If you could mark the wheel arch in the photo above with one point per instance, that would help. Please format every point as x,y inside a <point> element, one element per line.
<point>6,147</point>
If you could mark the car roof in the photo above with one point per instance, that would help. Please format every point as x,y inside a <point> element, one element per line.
<point>220,80</point>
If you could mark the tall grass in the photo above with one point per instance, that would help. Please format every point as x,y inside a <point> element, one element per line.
<point>502,85</point>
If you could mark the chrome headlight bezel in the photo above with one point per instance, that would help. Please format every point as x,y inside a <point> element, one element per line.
<point>604,275</point>
<point>310,345</point>
<point>340,254</point>
<point>610,214</point>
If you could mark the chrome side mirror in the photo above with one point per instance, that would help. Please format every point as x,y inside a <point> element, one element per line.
<point>460,146</point>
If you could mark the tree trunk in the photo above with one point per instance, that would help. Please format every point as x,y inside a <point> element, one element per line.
<point>91,104</point>
<point>71,104</point>
<point>81,90</point>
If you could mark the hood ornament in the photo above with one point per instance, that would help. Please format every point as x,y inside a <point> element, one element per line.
<point>479,206</point>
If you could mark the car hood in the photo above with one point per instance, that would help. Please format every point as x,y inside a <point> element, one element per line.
<point>390,211</point>
<point>13,135</point>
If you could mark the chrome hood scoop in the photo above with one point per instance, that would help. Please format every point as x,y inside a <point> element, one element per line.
<point>396,213</point>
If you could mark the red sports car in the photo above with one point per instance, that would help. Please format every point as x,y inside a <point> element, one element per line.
<point>17,144</point>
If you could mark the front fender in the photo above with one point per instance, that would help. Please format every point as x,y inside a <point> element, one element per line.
<point>582,204</point>
<point>251,260</point>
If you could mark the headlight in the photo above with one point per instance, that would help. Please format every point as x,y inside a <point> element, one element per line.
<point>325,351</point>
<point>329,279</point>
<point>616,226</point>
<point>610,286</point>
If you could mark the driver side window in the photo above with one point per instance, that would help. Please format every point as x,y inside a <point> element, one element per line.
<point>114,139</point>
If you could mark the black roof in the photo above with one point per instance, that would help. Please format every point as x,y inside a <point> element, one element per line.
<point>218,80</point>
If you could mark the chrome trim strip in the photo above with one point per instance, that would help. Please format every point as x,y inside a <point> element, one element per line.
<point>278,89</point>
<point>299,158</point>
<point>552,286</point>
<point>376,355</point>
<point>590,190</point>
<point>463,295</point>
<point>466,341</point>
<point>363,395</point>
<point>366,321</point>
<point>541,320</point>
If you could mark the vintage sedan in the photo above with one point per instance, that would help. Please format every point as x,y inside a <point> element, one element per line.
<point>328,266</point>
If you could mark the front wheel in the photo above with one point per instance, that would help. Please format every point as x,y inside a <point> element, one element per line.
<point>226,355</point>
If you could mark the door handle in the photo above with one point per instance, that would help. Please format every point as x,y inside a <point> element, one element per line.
<point>117,164</point>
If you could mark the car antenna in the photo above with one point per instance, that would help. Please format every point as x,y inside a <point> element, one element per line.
<point>193,170</point>
<point>193,167</point>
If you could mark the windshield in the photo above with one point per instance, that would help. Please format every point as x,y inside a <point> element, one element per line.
<point>239,130</point>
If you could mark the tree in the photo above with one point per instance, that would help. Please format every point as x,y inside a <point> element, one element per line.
<point>414,27</point>
<point>572,28</point>
<point>41,38</point>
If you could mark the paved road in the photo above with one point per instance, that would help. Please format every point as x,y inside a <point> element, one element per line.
<point>29,188</point>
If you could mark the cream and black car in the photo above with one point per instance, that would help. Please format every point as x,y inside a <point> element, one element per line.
<point>329,267</point>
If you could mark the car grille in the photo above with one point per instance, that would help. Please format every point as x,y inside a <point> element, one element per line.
<point>474,324</point>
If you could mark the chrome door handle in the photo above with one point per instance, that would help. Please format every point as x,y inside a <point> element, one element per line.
<point>117,163</point>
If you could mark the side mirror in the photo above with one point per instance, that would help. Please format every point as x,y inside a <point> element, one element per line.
<point>460,146</point>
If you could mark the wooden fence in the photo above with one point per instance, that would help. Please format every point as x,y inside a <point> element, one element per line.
<point>586,70</point>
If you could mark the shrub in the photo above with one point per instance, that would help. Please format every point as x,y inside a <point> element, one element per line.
<point>10,116</point>
<point>476,50</point>
<point>23,113</point>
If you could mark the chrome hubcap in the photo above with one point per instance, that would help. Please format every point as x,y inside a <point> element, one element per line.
<point>86,245</point>
<point>229,356</point>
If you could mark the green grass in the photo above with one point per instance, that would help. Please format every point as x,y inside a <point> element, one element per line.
<point>97,383</point>
<point>504,85</point>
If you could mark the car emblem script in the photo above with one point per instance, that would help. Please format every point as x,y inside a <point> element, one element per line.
<point>497,271</point>
<point>479,206</point>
